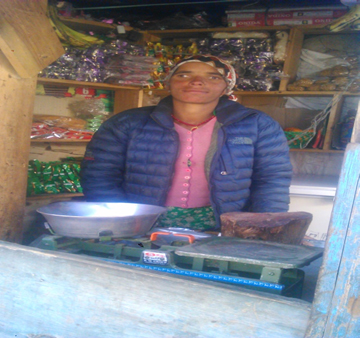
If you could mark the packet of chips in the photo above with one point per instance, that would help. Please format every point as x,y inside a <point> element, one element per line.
<point>53,177</point>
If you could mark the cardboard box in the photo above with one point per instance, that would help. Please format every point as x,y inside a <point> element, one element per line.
<point>246,15</point>
<point>245,23</point>
<point>308,13</point>
<point>299,21</point>
<point>277,17</point>
<point>321,21</point>
<point>246,18</point>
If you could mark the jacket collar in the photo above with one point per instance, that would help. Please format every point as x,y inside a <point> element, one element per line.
<point>227,112</point>
<point>162,113</point>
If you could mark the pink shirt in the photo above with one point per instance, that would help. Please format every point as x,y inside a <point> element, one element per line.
<point>189,187</point>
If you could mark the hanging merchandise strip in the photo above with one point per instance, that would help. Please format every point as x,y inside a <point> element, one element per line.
<point>321,117</point>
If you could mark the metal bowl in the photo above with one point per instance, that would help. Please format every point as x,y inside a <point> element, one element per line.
<point>93,220</point>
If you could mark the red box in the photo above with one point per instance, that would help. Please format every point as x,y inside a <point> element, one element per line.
<point>245,23</point>
<point>306,12</point>
<point>246,18</point>
<point>87,92</point>
<point>285,16</point>
<point>321,21</point>
<point>299,21</point>
<point>246,15</point>
<point>291,22</point>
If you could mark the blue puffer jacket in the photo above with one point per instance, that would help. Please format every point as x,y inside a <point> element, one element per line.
<point>131,159</point>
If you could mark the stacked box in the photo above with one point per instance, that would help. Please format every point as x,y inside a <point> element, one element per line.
<point>246,18</point>
<point>284,16</point>
<point>304,16</point>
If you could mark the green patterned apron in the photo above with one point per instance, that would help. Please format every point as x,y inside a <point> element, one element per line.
<point>193,218</point>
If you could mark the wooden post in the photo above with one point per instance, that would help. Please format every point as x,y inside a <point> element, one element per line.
<point>336,307</point>
<point>28,44</point>
<point>16,106</point>
<point>334,118</point>
<point>127,99</point>
<point>355,136</point>
<point>293,52</point>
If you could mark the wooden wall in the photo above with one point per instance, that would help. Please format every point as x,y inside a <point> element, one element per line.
<point>28,44</point>
<point>64,295</point>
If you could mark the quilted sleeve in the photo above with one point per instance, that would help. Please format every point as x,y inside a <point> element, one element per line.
<point>272,170</point>
<point>102,169</point>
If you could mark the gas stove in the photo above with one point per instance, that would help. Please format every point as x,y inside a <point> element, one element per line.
<point>263,266</point>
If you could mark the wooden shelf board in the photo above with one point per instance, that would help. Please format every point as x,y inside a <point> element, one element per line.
<point>269,93</point>
<point>39,140</point>
<point>299,93</point>
<point>71,83</point>
<point>53,196</point>
<point>234,29</point>
<point>97,26</point>
<point>306,29</point>
<point>318,151</point>
<point>283,93</point>
<point>321,29</point>
<point>87,25</point>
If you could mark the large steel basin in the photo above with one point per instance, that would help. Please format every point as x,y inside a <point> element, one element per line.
<point>92,219</point>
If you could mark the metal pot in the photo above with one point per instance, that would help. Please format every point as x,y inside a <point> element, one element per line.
<point>92,219</point>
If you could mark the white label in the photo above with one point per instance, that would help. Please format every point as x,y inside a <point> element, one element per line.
<point>314,13</point>
<point>120,29</point>
<point>241,16</point>
<point>293,22</point>
<point>155,257</point>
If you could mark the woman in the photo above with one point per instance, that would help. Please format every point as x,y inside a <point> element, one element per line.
<point>196,152</point>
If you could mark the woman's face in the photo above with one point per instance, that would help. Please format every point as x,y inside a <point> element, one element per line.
<point>197,82</point>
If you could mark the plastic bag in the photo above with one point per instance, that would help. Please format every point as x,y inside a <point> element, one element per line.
<point>87,108</point>
<point>130,70</point>
<point>313,62</point>
<point>337,78</point>
<point>92,110</point>
<point>65,122</point>
<point>324,72</point>
<point>53,177</point>
<point>43,131</point>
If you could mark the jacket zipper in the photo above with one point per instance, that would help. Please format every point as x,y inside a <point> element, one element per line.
<point>163,198</point>
<point>224,172</point>
<point>214,160</point>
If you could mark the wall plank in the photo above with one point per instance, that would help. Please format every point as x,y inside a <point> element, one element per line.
<point>65,295</point>
<point>335,311</point>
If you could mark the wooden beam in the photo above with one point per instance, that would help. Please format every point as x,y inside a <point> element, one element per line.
<point>127,99</point>
<point>27,45</point>
<point>334,118</point>
<point>26,37</point>
<point>16,108</point>
<point>355,136</point>
<point>344,316</point>
<point>293,52</point>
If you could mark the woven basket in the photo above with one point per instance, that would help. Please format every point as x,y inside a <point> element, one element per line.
<point>301,142</point>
